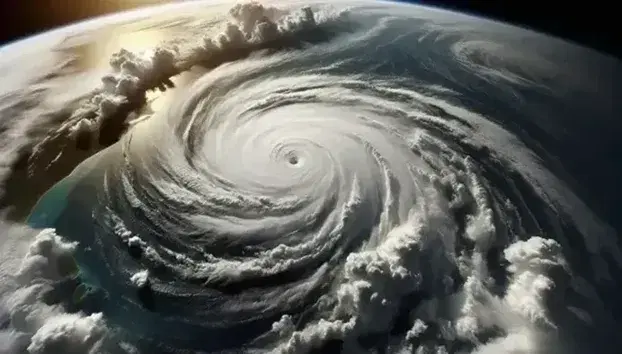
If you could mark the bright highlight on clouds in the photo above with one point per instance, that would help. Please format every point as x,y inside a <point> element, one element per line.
<point>305,188</point>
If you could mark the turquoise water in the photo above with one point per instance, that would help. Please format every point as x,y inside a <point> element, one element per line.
<point>51,205</point>
<point>49,212</point>
<point>101,283</point>
<point>67,208</point>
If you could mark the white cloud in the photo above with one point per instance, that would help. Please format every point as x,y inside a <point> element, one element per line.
<point>31,262</point>
<point>68,333</point>
<point>140,279</point>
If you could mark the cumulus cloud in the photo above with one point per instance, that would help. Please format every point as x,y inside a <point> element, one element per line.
<point>522,312</point>
<point>531,263</point>
<point>33,261</point>
<point>518,321</point>
<point>102,119</point>
<point>140,279</point>
<point>69,131</point>
<point>68,333</point>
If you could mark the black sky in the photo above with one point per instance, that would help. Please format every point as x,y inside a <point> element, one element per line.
<point>594,24</point>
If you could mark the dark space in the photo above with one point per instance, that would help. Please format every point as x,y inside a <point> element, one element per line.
<point>586,23</point>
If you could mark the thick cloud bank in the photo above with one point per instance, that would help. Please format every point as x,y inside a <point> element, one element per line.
<point>329,180</point>
<point>36,325</point>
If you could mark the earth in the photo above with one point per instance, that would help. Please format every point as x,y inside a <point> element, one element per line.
<point>296,177</point>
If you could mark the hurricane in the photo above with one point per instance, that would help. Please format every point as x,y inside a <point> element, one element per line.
<point>351,177</point>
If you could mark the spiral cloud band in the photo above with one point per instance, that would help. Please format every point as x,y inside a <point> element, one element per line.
<point>324,180</point>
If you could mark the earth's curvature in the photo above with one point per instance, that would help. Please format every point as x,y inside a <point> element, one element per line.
<point>356,177</point>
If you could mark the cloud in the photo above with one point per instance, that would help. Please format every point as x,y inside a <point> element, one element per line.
<point>102,119</point>
<point>67,133</point>
<point>33,261</point>
<point>140,279</point>
<point>68,333</point>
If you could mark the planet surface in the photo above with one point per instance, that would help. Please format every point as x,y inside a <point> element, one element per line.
<point>308,177</point>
